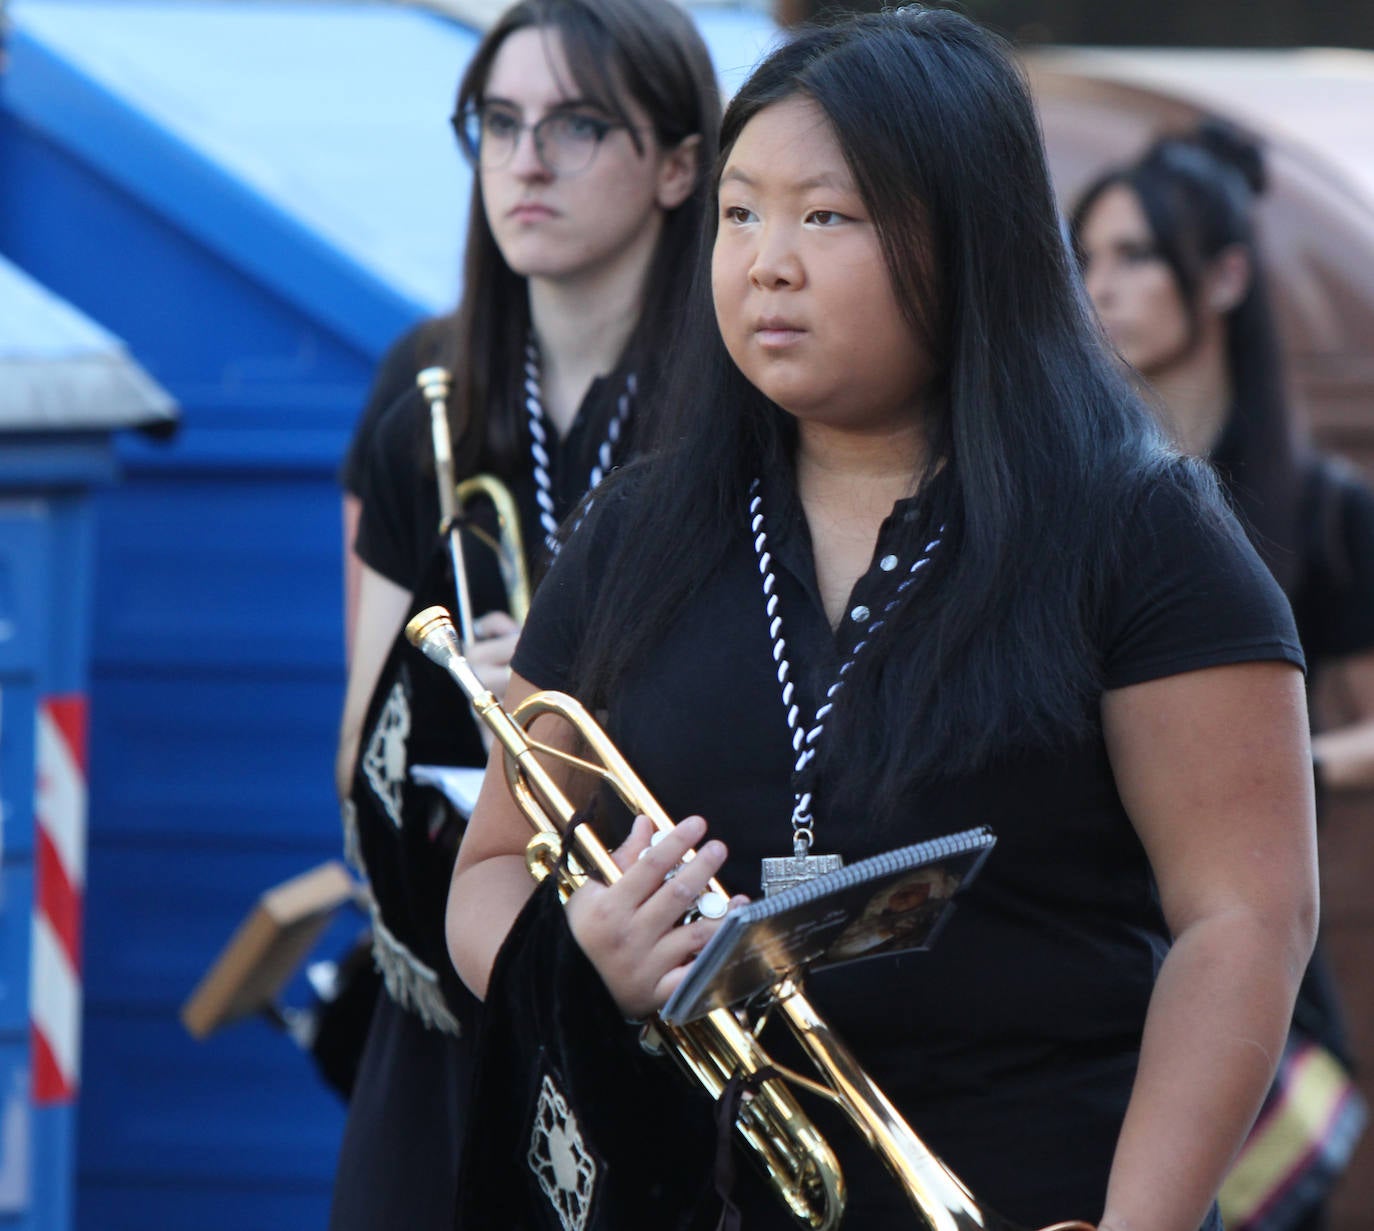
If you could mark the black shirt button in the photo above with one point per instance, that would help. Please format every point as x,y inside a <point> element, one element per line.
<point>859,614</point>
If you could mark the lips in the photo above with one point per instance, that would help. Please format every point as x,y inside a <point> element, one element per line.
<point>530,211</point>
<point>777,331</point>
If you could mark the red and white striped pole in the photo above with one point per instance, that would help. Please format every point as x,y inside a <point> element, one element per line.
<point>60,880</point>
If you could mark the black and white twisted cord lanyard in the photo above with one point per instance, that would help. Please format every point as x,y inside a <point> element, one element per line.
<point>806,738</point>
<point>539,441</point>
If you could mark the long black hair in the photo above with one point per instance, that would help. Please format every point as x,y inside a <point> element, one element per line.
<point>1040,445</point>
<point>1198,193</point>
<point>647,50</point>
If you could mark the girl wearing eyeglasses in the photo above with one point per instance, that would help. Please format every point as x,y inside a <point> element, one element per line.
<point>589,124</point>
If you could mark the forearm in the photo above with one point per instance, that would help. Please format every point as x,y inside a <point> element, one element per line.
<point>382,606</point>
<point>1213,1036</point>
<point>352,569</point>
<point>346,756</point>
<point>483,901</point>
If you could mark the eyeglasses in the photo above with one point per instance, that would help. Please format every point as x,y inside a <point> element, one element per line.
<point>565,142</point>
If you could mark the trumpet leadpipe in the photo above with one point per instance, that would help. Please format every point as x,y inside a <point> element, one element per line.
<point>434,384</point>
<point>431,631</point>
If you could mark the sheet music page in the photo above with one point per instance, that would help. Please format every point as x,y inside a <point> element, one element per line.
<point>458,783</point>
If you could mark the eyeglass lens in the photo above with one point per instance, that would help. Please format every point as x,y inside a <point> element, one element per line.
<point>565,141</point>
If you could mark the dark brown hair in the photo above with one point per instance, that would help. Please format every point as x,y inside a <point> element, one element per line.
<point>1198,192</point>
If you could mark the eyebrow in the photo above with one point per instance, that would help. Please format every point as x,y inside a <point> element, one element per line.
<point>824,180</point>
<point>566,104</point>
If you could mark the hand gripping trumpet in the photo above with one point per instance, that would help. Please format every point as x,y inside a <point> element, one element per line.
<point>797,1159</point>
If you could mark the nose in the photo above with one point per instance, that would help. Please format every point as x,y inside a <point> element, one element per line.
<point>525,161</point>
<point>777,264</point>
<point>1097,281</point>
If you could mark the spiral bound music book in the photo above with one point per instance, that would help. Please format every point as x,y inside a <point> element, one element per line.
<point>892,903</point>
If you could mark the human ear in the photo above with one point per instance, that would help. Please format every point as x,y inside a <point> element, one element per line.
<point>1228,279</point>
<point>677,172</point>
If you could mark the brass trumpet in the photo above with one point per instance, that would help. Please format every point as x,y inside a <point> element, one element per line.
<point>454,498</point>
<point>797,1159</point>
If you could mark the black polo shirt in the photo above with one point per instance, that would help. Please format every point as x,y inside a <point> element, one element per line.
<point>1011,1046</point>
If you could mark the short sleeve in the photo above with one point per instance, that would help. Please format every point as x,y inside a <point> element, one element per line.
<point>1190,593</point>
<point>400,504</point>
<point>394,378</point>
<point>1335,604</point>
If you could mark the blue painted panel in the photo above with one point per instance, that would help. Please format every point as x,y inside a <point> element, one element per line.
<point>16,908</point>
<point>18,701</point>
<point>219,573</point>
<point>23,586</point>
<point>54,1166</point>
<point>17,1145</point>
<point>71,548</point>
<point>326,190</point>
<point>25,569</point>
<point>177,908</point>
<point>38,463</point>
<point>242,759</point>
<point>159,1108</point>
<point>109,1205</point>
<point>194,322</point>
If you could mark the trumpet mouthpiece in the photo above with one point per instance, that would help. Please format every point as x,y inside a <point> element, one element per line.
<point>431,632</point>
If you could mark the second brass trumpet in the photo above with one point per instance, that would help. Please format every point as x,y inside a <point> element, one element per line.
<point>454,499</point>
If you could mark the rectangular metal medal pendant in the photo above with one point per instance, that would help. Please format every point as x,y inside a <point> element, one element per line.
<point>788,870</point>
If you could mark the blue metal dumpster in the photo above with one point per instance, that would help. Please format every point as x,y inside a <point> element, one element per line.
<point>65,386</point>
<point>257,199</point>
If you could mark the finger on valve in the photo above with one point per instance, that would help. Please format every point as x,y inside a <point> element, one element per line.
<point>663,858</point>
<point>641,834</point>
<point>684,892</point>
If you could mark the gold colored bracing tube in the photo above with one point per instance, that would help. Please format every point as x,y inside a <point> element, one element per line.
<point>798,1161</point>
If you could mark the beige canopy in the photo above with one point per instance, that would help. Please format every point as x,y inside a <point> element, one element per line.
<point>1314,109</point>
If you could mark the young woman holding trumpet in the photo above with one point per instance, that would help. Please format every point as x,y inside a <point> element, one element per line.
<point>590,125</point>
<point>912,557</point>
<point>1171,259</point>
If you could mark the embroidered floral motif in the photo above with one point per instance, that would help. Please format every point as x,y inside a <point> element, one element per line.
<point>560,1160</point>
<point>384,761</point>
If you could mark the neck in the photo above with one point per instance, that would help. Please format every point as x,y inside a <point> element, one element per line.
<point>582,328</point>
<point>1195,394</point>
<point>858,478</point>
<point>848,485</point>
